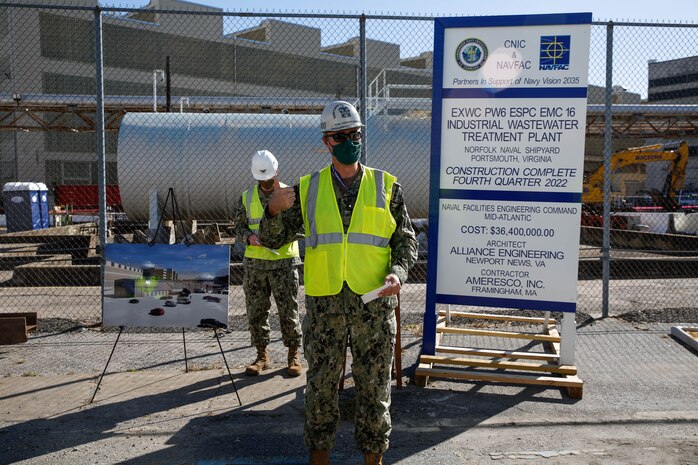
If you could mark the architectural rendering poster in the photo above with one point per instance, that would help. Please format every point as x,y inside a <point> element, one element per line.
<point>508,127</point>
<point>165,285</point>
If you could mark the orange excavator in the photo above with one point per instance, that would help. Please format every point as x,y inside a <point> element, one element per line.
<point>676,153</point>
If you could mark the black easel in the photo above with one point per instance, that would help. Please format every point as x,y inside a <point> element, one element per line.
<point>121,328</point>
<point>215,325</point>
<point>187,239</point>
<point>206,323</point>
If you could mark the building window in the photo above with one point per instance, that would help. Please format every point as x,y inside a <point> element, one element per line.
<point>77,172</point>
<point>8,171</point>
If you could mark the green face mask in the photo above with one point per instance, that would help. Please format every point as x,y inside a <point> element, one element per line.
<point>348,152</point>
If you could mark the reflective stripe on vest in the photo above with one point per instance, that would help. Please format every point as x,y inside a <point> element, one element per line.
<point>362,256</point>
<point>255,210</point>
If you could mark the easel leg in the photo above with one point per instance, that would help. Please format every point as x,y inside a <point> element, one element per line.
<point>215,331</point>
<point>186,363</point>
<point>121,328</point>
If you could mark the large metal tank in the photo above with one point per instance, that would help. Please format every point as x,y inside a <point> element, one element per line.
<point>205,157</point>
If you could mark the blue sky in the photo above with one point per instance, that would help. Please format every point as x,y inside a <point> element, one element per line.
<point>198,259</point>
<point>675,10</point>
<point>633,46</point>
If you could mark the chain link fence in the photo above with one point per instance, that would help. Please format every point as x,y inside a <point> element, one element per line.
<point>190,96</point>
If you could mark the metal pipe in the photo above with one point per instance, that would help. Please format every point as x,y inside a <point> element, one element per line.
<point>362,84</point>
<point>319,102</point>
<point>607,149</point>
<point>156,72</point>
<point>181,103</point>
<point>168,87</point>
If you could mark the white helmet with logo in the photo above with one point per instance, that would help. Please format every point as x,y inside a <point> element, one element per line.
<point>264,165</point>
<point>338,116</point>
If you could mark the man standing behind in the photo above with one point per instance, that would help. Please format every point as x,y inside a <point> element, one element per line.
<point>267,271</point>
<point>358,237</point>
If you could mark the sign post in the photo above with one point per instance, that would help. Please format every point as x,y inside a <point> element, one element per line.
<point>508,128</point>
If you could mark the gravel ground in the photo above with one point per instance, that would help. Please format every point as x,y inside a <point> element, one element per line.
<point>639,406</point>
<point>664,315</point>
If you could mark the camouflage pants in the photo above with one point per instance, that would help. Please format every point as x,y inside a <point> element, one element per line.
<point>328,322</point>
<point>259,285</point>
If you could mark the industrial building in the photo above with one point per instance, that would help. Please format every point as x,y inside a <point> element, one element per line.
<point>50,53</point>
<point>269,65</point>
<point>673,81</point>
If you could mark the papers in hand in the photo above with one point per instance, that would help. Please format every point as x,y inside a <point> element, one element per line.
<point>271,250</point>
<point>373,295</point>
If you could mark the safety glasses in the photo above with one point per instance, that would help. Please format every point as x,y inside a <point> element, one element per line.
<point>342,136</point>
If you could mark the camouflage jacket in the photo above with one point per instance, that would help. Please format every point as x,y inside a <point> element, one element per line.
<point>288,226</point>
<point>243,231</point>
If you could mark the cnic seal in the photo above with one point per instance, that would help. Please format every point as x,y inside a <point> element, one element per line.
<point>471,54</point>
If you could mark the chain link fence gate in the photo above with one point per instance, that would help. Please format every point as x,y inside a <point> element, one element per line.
<point>259,81</point>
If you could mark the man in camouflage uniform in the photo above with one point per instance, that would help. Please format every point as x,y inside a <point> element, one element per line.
<point>267,271</point>
<point>368,240</point>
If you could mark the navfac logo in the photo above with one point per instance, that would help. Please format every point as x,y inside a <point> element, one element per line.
<point>554,52</point>
<point>471,54</point>
<point>343,111</point>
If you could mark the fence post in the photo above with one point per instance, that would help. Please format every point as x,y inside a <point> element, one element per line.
<point>168,86</point>
<point>362,83</point>
<point>607,149</point>
<point>16,96</point>
<point>99,134</point>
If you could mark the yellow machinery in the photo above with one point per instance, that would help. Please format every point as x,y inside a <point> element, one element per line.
<point>676,153</point>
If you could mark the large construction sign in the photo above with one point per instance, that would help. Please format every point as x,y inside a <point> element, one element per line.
<point>508,125</point>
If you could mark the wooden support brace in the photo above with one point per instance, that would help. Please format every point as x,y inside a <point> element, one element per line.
<point>423,380</point>
<point>568,382</point>
<point>501,365</point>
<point>496,353</point>
<point>505,334</point>
<point>490,316</point>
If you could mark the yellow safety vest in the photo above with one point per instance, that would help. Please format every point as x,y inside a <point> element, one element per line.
<point>255,211</point>
<point>361,257</point>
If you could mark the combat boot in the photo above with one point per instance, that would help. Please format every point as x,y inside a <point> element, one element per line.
<point>371,458</point>
<point>260,364</point>
<point>294,362</point>
<point>319,457</point>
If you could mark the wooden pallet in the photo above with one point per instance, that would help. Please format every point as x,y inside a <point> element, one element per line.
<point>505,366</point>
<point>14,327</point>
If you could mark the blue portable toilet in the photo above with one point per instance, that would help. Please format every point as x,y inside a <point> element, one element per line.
<point>43,204</point>
<point>22,206</point>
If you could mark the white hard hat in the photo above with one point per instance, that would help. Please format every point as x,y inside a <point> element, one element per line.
<point>264,165</point>
<point>338,116</point>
